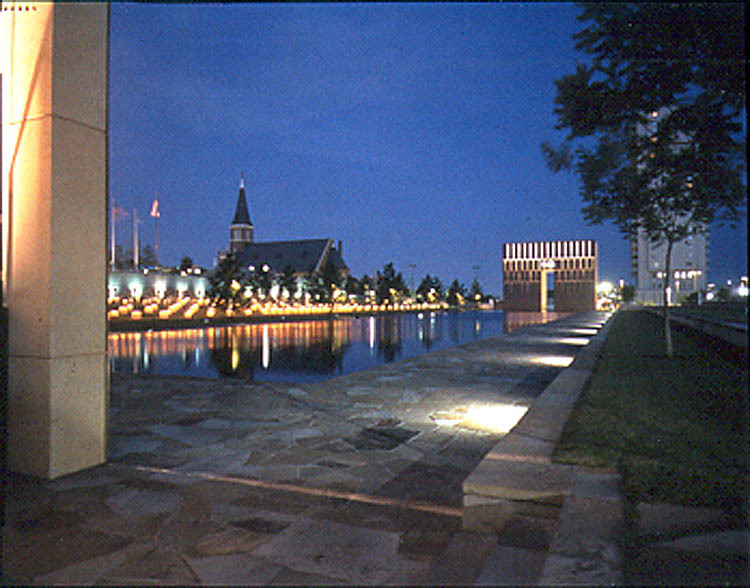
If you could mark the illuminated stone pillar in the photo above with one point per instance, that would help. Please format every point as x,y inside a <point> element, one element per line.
<point>54,156</point>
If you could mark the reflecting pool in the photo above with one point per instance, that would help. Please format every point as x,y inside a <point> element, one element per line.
<point>298,351</point>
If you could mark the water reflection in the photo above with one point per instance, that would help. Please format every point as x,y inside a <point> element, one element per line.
<point>516,320</point>
<point>297,351</point>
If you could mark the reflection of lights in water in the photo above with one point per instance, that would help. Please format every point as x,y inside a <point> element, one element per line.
<point>235,353</point>
<point>420,316</point>
<point>266,348</point>
<point>553,360</point>
<point>241,344</point>
<point>477,327</point>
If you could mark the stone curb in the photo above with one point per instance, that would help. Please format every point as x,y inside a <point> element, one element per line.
<point>517,480</point>
<point>731,333</point>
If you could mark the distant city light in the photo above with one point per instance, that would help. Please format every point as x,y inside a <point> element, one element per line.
<point>605,288</point>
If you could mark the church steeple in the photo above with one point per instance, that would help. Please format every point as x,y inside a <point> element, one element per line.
<point>241,229</point>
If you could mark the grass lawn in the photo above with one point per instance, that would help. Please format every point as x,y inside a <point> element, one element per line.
<point>675,428</point>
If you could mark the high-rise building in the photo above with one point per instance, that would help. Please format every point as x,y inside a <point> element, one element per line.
<point>689,262</point>
<point>689,266</point>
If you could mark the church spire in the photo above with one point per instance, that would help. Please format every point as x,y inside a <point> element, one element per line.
<point>241,228</point>
<point>241,214</point>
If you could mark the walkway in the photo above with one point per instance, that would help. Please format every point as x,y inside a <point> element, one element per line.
<point>353,480</point>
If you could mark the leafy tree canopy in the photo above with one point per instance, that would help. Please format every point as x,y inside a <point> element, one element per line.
<point>476,290</point>
<point>225,279</point>
<point>186,263</point>
<point>456,292</point>
<point>428,285</point>
<point>669,174</point>
<point>389,280</point>
<point>655,119</point>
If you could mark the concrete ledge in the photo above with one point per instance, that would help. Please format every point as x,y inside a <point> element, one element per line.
<point>516,480</point>
<point>581,509</point>
<point>519,468</point>
<point>733,333</point>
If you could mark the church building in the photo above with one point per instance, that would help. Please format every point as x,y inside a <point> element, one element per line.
<point>304,256</point>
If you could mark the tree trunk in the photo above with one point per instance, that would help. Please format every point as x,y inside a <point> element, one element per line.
<point>667,280</point>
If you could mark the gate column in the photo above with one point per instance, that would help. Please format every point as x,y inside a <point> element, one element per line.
<point>54,159</point>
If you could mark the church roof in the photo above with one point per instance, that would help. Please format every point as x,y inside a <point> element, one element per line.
<point>241,214</point>
<point>303,255</point>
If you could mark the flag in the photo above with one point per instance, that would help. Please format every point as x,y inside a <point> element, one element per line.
<point>120,213</point>
<point>155,208</point>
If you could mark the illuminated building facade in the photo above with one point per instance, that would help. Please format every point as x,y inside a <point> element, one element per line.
<point>689,262</point>
<point>146,283</point>
<point>689,266</point>
<point>550,275</point>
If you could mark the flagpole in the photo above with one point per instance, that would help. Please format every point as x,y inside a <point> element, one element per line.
<point>112,255</point>
<point>156,214</point>
<point>135,239</point>
<point>156,241</point>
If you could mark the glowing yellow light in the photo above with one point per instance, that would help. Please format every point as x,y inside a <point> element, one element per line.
<point>574,341</point>
<point>604,287</point>
<point>553,360</point>
<point>497,418</point>
<point>582,331</point>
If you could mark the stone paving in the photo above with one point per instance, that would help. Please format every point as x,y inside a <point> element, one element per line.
<point>356,480</point>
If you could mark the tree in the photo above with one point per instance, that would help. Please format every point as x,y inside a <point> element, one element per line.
<point>367,284</point>
<point>627,293</point>
<point>287,281</point>
<point>352,285</point>
<point>330,280</point>
<point>390,284</point>
<point>263,281</point>
<point>430,289</point>
<point>147,256</point>
<point>456,293</point>
<point>122,258</point>
<point>654,120</point>
<point>186,263</point>
<point>314,285</point>
<point>476,291</point>
<point>224,281</point>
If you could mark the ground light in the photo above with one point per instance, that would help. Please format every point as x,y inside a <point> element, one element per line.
<point>490,418</point>
<point>495,418</point>
<point>553,360</point>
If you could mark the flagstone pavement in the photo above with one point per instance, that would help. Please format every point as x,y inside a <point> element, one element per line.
<point>356,480</point>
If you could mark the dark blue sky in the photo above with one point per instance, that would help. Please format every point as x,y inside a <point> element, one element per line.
<point>410,132</point>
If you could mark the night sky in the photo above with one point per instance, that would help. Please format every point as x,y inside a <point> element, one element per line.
<point>410,132</point>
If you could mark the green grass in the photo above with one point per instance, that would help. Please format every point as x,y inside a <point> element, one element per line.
<point>675,428</point>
